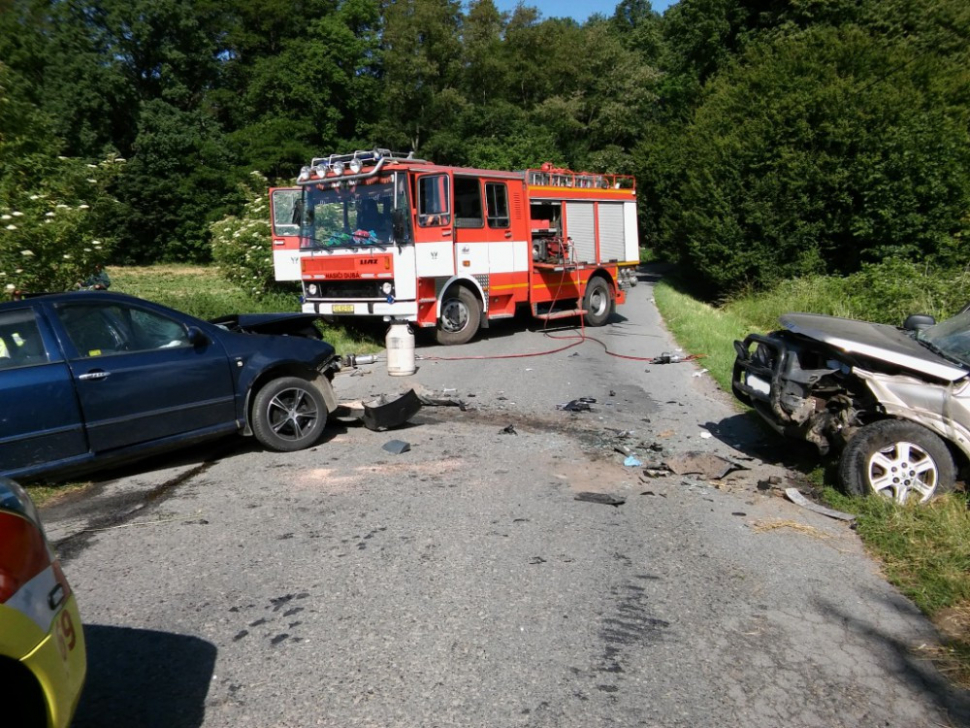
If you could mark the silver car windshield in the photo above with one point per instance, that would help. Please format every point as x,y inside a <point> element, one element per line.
<point>951,338</point>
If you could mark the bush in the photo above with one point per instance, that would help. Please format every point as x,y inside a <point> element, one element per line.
<point>818,153</point>
<point>49,239</point>
<point>242,246</point>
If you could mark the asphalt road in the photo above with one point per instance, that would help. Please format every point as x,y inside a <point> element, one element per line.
<point>462,583</point>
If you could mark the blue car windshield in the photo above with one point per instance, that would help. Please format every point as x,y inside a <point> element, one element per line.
<point>950,338</point>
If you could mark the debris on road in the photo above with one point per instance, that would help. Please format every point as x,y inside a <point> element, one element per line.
<point>762,526</point>
<point>706,464</point>
<point>396,447</point>
<point>580,404</point>
<point>510,430</point>
<point>603,498</point>
<point>381,413</point>
<point>444,402</point>
<point>795,496</point>
<point>772,481</point>
<point>632,462</point>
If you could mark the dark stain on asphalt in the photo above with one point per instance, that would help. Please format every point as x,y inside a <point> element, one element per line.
<point>261,620</point>
<point>240,634</point>
<point>291,612</point>
<point>279,638</point>
<point>121,509</point>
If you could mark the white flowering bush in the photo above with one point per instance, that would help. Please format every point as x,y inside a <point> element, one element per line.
<point>50,237</point>
<point>242,245</point>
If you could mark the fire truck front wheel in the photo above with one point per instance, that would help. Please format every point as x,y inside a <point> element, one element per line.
<point>598,302</point>
<point>460,317</point>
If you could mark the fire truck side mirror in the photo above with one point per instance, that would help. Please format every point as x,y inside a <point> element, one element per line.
<point>400,228</point>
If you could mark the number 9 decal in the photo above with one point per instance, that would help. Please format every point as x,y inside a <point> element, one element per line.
<point>66,636</point>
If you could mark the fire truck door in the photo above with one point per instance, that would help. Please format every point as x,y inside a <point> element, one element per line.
<point>434,232</point>
<point>285,219</point>
<point>471,240</point>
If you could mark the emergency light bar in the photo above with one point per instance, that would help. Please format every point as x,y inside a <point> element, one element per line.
<point>350,167</point>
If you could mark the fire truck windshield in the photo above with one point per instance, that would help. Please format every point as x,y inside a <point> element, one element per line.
<point>354,216</point>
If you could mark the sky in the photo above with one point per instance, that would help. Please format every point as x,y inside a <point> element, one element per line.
<point>580,10</point>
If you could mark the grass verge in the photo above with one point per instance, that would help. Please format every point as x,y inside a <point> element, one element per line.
<point>202,292</point>
<point>924,550</point>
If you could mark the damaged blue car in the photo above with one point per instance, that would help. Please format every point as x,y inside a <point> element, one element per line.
<point>90,378</point>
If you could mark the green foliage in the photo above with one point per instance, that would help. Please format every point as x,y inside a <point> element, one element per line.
<point>885,293</point>
<point>802,160</point>
<point>49,238</point>
<point>242,244</point>
<point>177,183</point>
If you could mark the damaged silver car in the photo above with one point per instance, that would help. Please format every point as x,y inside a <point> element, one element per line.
<point>894,401</point>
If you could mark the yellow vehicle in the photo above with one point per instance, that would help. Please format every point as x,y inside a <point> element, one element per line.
<point>42,654</point>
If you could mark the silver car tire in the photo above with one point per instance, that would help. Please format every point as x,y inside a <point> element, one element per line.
<point>289,414</point>
<point>897,459</point>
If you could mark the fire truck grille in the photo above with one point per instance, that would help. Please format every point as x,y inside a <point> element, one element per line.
<point>350,289</point>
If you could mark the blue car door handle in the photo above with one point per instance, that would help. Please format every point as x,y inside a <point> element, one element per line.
<point>96,374</point>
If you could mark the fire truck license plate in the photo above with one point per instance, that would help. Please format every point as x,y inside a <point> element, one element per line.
<point>343,308</point>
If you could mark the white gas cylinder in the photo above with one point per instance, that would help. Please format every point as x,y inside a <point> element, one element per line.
<point>400,350</point>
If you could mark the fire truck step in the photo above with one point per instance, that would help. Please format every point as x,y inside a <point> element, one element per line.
<point>560,314</point>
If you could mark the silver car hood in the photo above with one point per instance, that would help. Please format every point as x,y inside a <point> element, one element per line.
<point>877,341</point>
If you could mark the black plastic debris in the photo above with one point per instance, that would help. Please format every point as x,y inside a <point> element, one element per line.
<point>667,358</point>
<point>580,404</point>
<point>603,498</point>
<point>443,402</point>
<point>537,560</point>
<point>382,414</point>
<point>510,430</point>
<point>396,447</point>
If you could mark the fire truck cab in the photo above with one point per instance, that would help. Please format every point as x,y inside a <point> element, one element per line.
<point>377,233</point>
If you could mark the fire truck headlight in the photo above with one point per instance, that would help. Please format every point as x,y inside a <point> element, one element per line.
<point>338,167</point>
<point>313,289</point>
<point>355,165</point>
<point>321,170</point>
<point>388,288</point>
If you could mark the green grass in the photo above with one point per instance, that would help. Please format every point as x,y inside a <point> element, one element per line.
<point>925,550</point>
<point>202,292</point>
<point>702,330</point>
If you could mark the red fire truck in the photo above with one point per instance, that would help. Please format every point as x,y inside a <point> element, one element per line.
<point>376,233</point>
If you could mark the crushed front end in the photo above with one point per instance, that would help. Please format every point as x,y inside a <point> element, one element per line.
<point>802,388</point>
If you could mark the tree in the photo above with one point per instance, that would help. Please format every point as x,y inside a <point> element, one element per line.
<point>421,58</point>
<point>820,151</point>
<point>176,184</point>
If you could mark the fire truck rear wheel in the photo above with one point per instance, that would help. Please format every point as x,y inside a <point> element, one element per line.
<point>598,302</point>
<point>460,317</point>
